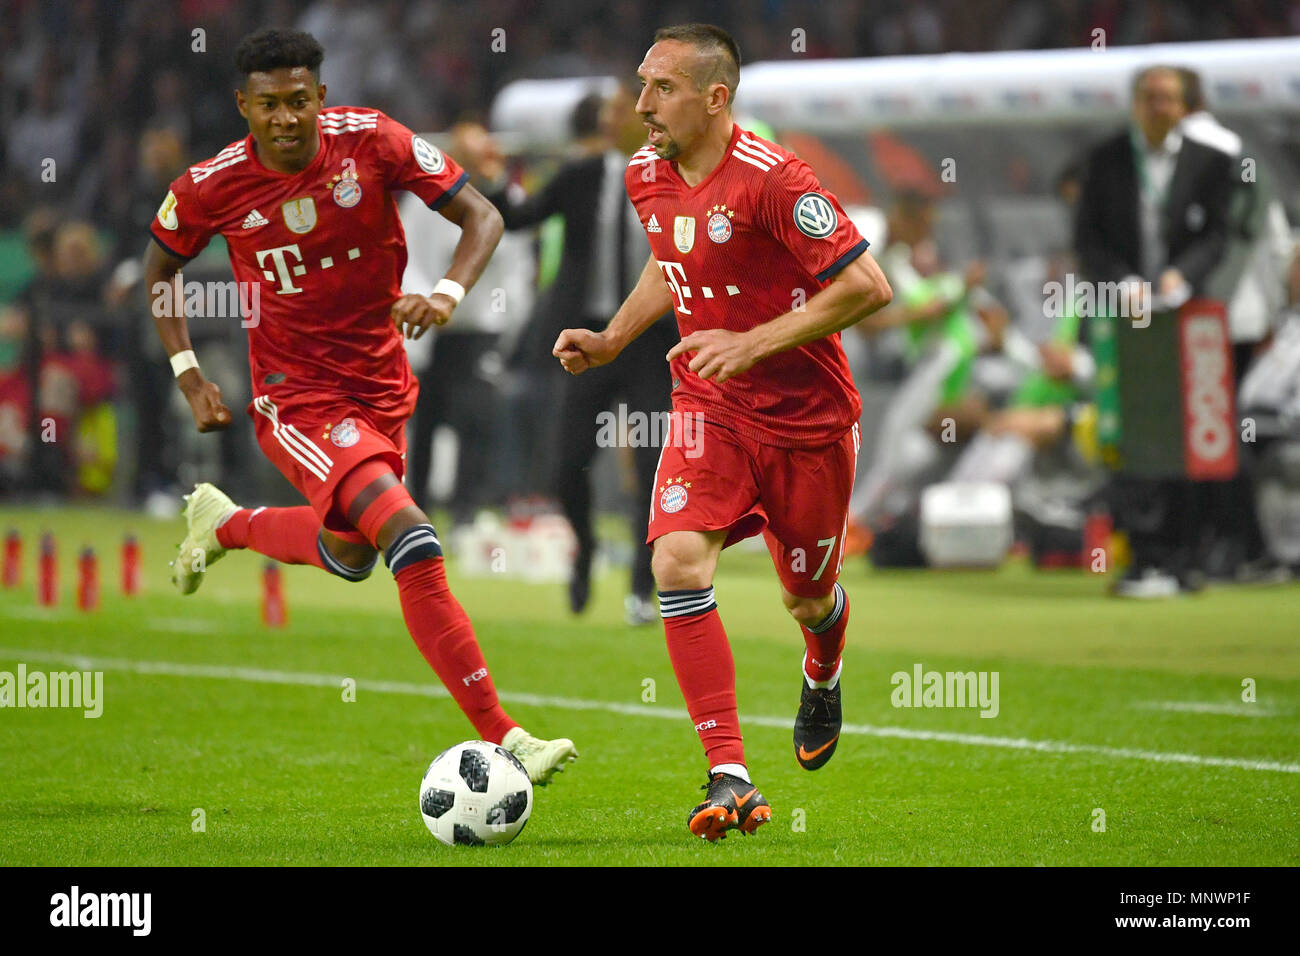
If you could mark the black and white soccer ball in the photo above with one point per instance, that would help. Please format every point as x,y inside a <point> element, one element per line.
<point>476,793</point>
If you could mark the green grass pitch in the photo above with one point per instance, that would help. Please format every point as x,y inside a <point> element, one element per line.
<point>1133,709</point>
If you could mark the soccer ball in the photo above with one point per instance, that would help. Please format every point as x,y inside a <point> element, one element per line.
<point>476,793</point>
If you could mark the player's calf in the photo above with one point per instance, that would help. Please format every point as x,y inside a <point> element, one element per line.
<point>820,716</point>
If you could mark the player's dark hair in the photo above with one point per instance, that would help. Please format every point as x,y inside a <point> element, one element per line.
<point>718,51</point>
<point>585,119</point>
<point>273,48</point>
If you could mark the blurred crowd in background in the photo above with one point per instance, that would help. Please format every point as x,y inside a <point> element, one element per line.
<point>102,104</point>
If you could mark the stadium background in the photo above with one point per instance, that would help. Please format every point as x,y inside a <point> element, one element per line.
<point>122,97</point>
<point>1149,714</point>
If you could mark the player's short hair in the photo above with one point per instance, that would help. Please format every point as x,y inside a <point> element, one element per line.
<point>273,48</point>
<point>1179,72</point>
<point>719,60</point>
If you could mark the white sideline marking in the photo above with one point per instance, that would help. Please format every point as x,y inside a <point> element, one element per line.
<point>260,676</point>
<point>183,625</point>
<point>1209,707</point>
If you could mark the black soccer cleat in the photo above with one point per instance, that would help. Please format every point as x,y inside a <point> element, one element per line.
<point>817,725</point>
<point>732,804</point>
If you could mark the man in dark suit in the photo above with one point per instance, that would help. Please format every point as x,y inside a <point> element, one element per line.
<point>1154,209</point>
<point>604,252</point>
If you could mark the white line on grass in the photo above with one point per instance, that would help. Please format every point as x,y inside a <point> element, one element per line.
<point>183,625</point>
<point>260,676</point>
<point>1208,707</point>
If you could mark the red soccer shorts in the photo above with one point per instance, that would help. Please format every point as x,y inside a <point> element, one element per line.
<point>315,440</point>
<point>710,478</point>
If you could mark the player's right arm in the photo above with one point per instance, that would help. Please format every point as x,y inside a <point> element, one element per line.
<point>581,349</point>
<point>167,304</point>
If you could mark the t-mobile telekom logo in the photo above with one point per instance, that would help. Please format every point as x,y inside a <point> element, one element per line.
<point>286,264</point>
<point>675,276</point>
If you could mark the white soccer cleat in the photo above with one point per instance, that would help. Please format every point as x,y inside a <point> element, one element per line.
<point>541,758</point>
<point>205,509</point>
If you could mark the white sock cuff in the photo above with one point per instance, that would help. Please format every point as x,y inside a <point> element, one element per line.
<point>822,684</point>
<point>735,769</point>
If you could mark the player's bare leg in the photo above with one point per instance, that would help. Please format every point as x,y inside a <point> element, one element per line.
<point>684,563</point>
<point>823,621</point>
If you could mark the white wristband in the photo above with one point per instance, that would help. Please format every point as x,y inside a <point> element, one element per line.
<point>450,288</point>
<point>183,362</point>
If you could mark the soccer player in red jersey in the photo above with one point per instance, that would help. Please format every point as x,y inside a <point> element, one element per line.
<point>305,203</point>
<point>764,270</point>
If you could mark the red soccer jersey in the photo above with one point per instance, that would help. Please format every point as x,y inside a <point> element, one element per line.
<point>323,247</point>
<point>758,236</point>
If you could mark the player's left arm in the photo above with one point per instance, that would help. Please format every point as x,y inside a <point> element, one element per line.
<point>481,227</point>
<point>856,291</point>
<point>413,164</point>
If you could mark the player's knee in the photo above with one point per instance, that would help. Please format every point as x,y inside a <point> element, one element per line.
<point>677,567</point>
<point>410,537</point>
<point>808,611</point>
<point>345,559</point>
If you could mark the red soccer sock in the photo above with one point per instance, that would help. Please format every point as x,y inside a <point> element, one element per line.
<point>825,640</point>
<point>706,673</point>
<point>443,633</point>
<point>286,534</point>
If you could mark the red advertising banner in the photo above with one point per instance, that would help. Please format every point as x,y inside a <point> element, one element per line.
<point>1209,402</point>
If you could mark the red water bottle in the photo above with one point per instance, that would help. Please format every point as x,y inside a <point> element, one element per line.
<point>273,610</point>
<point>12,575</point>
<point>130,566</point>
<point>88,580</point>
<point>47,577</point>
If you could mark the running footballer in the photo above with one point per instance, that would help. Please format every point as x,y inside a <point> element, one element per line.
<point>763,270</point>
<point>305,203</point>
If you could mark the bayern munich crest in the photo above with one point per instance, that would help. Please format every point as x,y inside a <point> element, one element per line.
<point>347,193</point>
<point>719,228</point>
<point>673,496</point>
<point>345,434</point>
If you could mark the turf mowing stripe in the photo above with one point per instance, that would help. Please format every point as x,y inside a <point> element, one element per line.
<point>1208,707</point>
<point>257,675</point>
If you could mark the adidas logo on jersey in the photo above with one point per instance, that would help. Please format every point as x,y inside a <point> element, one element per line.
<point>254,219</point>
<point>653,225</point>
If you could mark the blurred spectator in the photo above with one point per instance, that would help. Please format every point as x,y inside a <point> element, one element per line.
<point>605,251</point>
<point>62,308</point>
<point>45,133</point>
<point>1154,209</point>
<point>460,380</point>
<point>946,318</point>
<point>1252,281</point>
<point>15,400</point>
<point>74,402</point>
